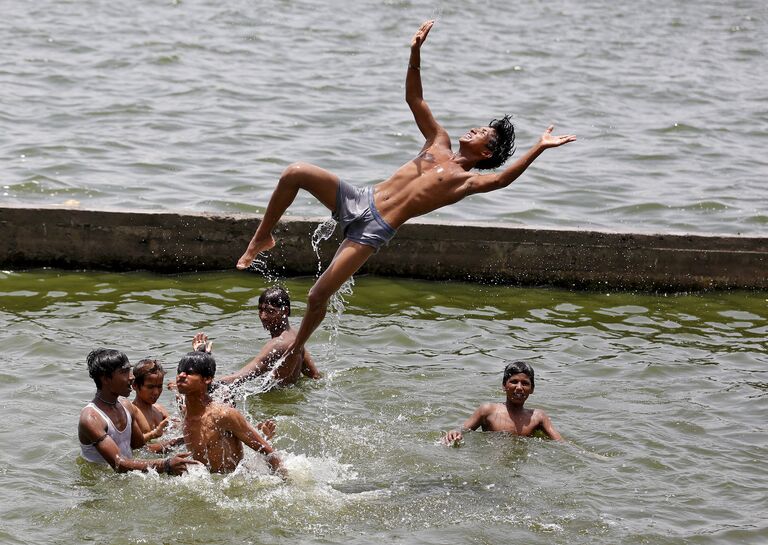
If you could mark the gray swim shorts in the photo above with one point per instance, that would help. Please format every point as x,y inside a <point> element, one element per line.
<point>358,217</point>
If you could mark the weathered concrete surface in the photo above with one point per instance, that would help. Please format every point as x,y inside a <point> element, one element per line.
<point>501,253</point>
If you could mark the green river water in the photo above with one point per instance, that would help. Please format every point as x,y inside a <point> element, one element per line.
<point>662,399</point>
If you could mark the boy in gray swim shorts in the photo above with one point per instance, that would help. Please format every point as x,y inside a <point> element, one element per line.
<point>436,177</point>
<point>358,217</point>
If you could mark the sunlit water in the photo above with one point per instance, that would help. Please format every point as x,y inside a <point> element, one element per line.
<point>200,105</point>
<point>663,400</point>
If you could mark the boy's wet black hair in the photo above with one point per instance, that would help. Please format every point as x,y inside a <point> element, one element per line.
<point>198,363</point>
<point>503,146</point>
<point>146,367</point>
<point>517,367</point>
<point>278,297</point>
<point>102,362</point>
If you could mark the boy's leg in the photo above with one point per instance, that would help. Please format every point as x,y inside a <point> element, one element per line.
<point>348,259</point>
<point>320,182</point>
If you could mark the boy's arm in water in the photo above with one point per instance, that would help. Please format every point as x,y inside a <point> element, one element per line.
<point>482,183</point>
<point>470,424</point>
<point>233,421</point>
<point>137,436</point>
<point>161,447</point>
<point>158,430</point>
<point>260,364</point>
<point>91,430</point>
<point>414,96</point>
<point>545,424</point>
<point>308,368</point>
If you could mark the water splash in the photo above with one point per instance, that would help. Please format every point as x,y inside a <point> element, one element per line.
<point>324,231</point>
<point>336,306</point>
<point>260,266</point>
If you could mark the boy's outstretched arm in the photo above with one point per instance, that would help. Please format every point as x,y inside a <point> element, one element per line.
<point>547,426</point>
<point>237,424</point>
<point>259,365</point>
<point>482,183</point>
<point>309,369</point>
<point>470,424</point>
<point>414,96</point>
<point>92,431</point>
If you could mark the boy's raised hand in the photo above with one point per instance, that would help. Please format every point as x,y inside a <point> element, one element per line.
<point>421,34</point>
<point>200,343</point>
<point>549,141</point>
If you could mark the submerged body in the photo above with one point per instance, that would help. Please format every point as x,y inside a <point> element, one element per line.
<point>151,416</point>
<point>510,416</point>
<point>108,428</point>
<point>274,313</point>
<point>214,432</point>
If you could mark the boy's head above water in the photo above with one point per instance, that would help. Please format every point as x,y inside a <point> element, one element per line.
<point>103,362</point>
<point>197,363</point>
<point>516,368</point>
<point>148,377</point>
<point>274,307</point>
<point>145,368</point>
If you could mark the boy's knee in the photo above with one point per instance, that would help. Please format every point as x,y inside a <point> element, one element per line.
<point>317,298</point>
<point>294,171</point>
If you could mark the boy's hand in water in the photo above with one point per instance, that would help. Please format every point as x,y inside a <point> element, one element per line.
<point>549,141</point>
<point>452,438</point>
<point>200,343</point>
<point>421,34</point>
<point>178,464</point>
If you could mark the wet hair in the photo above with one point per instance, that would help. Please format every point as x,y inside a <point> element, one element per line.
<point>277,297</point>
<point>144,368</point>
<point>198,363</point>
<point>102,362</point>
<point>517,367</point>
<point>502,146</point>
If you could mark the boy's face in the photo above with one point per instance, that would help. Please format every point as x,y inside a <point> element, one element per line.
<point>271,317</point>
<point>150,391</point>
<point>479,139</point>
<point>518,387</point>
<point>119,381</point>
<point>188,382</point>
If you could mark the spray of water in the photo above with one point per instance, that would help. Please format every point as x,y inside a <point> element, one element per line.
<point>260,266</point>
<point>324,231</point>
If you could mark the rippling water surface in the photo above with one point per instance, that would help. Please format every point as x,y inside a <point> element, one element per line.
<point>663,400</point>
<point>200,105</point>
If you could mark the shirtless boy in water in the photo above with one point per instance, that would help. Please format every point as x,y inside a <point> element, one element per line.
<point>215,432</point>
<point>274,311</point>
<point>510,416</point>
<point>151,416</point>
<point>369,217</point>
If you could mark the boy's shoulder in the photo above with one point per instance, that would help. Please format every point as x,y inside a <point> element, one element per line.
<point>489,407</point>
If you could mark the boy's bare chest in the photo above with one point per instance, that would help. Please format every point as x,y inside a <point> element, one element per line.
<point>202,433</point>
<point>518,423</point>
<point>153,416</point>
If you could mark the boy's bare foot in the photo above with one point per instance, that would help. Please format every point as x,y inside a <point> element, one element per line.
<point>267,428</point>
<point>255,247</point>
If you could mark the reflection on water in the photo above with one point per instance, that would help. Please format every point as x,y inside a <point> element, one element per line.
<point>652,392</point>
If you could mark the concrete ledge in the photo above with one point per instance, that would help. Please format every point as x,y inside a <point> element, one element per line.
<point>170,242</point>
